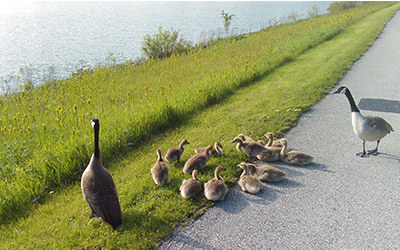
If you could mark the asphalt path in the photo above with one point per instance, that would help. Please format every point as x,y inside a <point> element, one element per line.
<point>341,201</point>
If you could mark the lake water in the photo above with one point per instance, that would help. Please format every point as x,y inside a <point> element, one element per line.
<point>52,39</point>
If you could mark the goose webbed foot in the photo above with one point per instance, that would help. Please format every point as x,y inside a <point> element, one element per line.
<point>373,152</point>
<point>362,154</point>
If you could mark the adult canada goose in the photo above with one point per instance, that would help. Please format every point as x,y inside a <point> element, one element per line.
<point>248,182</point>
<point>272,142</point>
<point>266,172</point>
<point>198,161</point>
<point>367,128</point>
<point>175,153</point>
<point>160,170</point>
<point>243,138</point>
<point>190,187</point>
<point>98,187</point>
<point>215,189</point>
<point>271,154</point>
<point>251,148</point>
<point>217,151</point>
<point>294,157</point>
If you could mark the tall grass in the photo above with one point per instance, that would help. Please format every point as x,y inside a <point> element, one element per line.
<point>45,138</point>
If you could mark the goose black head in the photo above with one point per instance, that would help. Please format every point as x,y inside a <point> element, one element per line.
<point>341,89</point>
<point>95,122</point>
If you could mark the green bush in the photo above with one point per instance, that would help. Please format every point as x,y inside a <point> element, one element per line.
<point>164,44</point>
<point>342,5</point>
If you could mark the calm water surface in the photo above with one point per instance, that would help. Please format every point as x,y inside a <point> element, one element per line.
<point>52,39</point>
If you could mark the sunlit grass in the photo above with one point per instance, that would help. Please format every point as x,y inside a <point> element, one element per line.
<point>156,105</point>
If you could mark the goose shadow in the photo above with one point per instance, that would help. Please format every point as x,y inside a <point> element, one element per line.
<point>388,156</point>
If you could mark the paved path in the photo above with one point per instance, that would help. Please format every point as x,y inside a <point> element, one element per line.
<point>340,202</point>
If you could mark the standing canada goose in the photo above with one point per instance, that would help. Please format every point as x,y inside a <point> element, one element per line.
<point>190,187</point>
<point>294,157</point>
<point>160,170</point>
<point>198,161</point>
<point>266,172</point>
<point>251,148</point>
<point>248,182</point>
<point>98,187</point>
<point>215,189</point>
<point>175,153</point>
<point>272,142</point>
<point>367,128</point>
<point>217,151</point>
<point>243,138</point>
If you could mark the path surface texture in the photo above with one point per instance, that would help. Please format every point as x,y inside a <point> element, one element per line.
<point>341,201</point>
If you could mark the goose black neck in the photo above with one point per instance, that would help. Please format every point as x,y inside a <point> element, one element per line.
<point>96,140</point>
<point>353,105</point>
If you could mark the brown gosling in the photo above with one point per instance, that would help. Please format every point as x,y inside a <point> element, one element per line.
<point>251,148</point>
<point>98,187</point>
<point>160,170</point>
<point>215,189</point>
<point>198,161</point>
<point>190,187</point>
<point>261,142</point>
<point>174,154</point>
<point>247,182</point>
<point>243,138</point>
<point>217,151</point>
<point>271,154</point>
<point>294,157</point>
<point>266,173</point>
<point>272,142</point>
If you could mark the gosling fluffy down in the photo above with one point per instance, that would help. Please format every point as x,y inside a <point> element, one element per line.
<point>247,182</point>
<point>217,149</point>
<point>266,172</point>
<point>251,148</point>
<point>216,189</point>
<point>174,154</point>
<point>294,157</point>
<point>191,187</point>
<point>198,161</point>
<point>160,170</point>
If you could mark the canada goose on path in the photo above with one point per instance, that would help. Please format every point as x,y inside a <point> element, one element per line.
<point>367,128</point>
<point>215,189</point>
<point>175,153</point>
<point>98,187</point>
<point>190,187</point>
<point>160,170</point>
<point>215,152</point>
<point>294,157</point>
<point>198,161</point>
<point>251,148</point>
<point>266,172</point>
<point>248,182</point>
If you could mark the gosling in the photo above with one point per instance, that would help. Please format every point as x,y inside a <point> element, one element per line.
<point>294,157</point>
<point>248,182</point>
<point>266,173</point>
<point>160,170</point>
<point>190,187</point>
<point>216,189</point>
<point>174,154</point>
<point>251,148</point>
<point>198,161</point>
<point>217,149</point>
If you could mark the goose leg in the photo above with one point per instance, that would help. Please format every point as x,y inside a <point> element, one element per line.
<point>374,151</point>
<point>363,153</point>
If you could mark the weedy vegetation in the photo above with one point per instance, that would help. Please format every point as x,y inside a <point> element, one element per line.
<point>234,86</point>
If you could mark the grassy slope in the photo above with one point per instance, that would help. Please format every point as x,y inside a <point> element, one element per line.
<point>251,110</point>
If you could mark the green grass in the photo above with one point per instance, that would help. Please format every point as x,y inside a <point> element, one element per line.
<point>157,105</point>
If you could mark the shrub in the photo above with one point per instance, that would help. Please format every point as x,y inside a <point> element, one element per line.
<point>343,5</point>
<point>164,44</point>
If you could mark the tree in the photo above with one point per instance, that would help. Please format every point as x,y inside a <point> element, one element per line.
<point>163,44</point>
<point>227,19</point>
